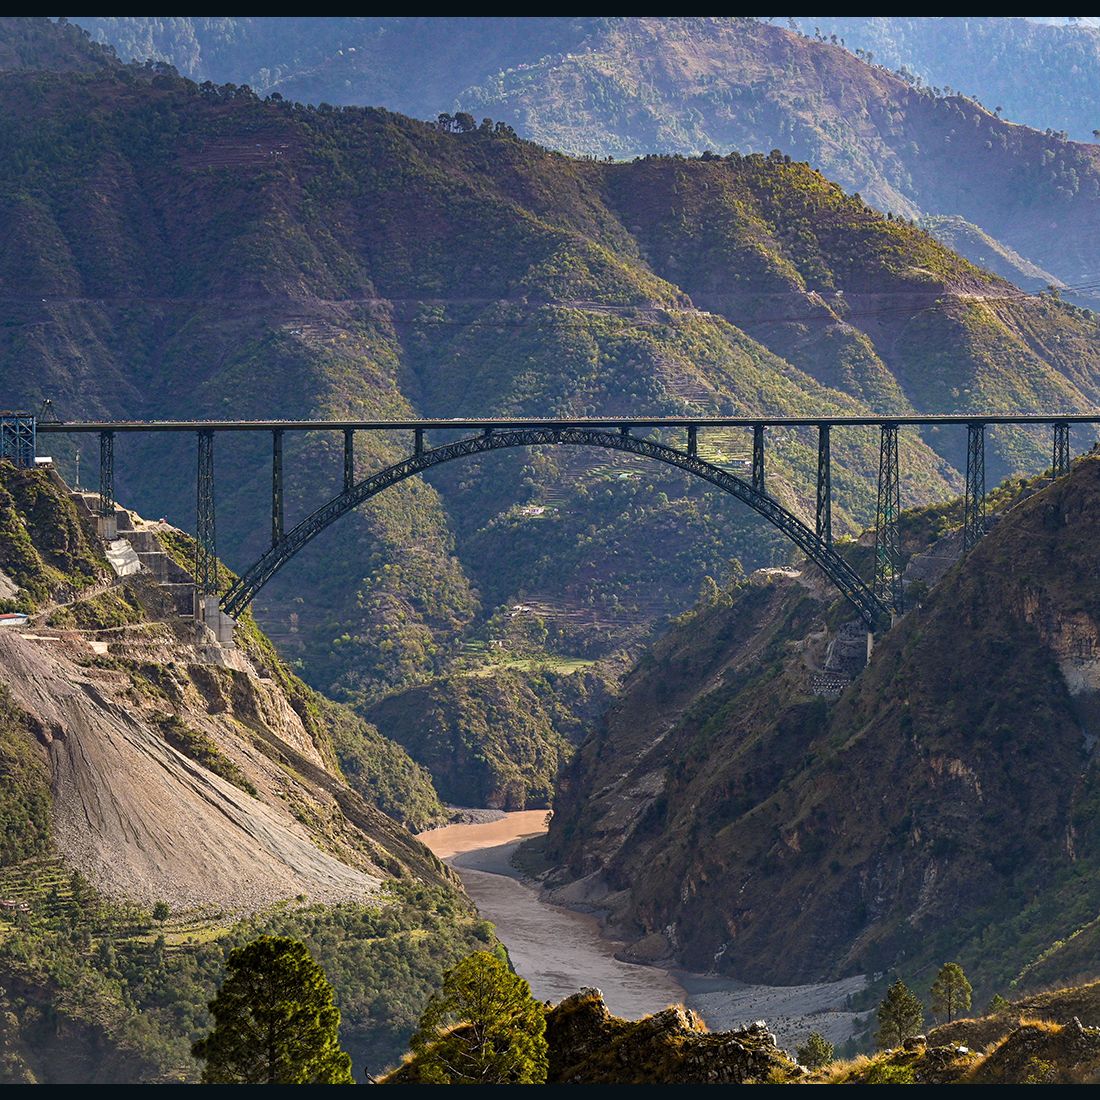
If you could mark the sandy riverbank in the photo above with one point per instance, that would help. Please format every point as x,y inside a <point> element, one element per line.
<point>559,950</point>
<point>451,840</point>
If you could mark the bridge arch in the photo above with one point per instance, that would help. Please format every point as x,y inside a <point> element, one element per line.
<point>873,612</point>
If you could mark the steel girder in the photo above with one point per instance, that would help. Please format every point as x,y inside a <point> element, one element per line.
<point>872,610</point>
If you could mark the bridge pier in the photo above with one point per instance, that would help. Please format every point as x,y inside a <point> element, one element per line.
<point>1060,462</point>
<point>824,486</point>
<point>276,485</point>
<point>18,435</point>
<point>418,441</point>
<point>758,457</point>
<point>888,585</point>
<point>106,524</point>
<point>974,501</point>
<point>693,441</point>
<point>208,612</point>
<point>206,553</point>
<point>349,458</point>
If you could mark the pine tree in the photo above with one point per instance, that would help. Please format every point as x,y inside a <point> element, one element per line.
<point>950,992</point>
<point>482,1028</point>
<point>900,1015</point>
<point>816,1052</point>
<point>275,1022</point>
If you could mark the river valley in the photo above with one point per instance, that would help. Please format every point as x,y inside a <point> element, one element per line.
<point>559,950</point>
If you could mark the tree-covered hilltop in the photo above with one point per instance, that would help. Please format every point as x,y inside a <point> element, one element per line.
<point>785,828</point>
<point>630,86</point>
<point>497,738</point>
<point>35,42</point>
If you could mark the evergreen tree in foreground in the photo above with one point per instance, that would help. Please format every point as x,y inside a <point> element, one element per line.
<point>482,1028</point>
<point>950,992</point>
<point>816,1052</point>
<point>900,1015</point>
<point>275,1022</point>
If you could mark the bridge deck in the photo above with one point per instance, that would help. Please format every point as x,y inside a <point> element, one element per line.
<point>482,423</point>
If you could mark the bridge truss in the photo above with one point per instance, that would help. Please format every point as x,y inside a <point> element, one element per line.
<point>876,603</point>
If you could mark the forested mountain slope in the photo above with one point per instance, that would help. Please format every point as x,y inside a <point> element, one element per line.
<point>629,86</point>
<point>171,249</point>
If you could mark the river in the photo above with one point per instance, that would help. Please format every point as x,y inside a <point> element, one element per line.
<point>560,951</point>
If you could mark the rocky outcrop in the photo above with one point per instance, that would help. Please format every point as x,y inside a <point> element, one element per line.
<point>589,1046</point>
<point>1032,1052</point>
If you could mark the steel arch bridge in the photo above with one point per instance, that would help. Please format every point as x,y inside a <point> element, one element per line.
<point>876,604</point>
<point>870,608</point>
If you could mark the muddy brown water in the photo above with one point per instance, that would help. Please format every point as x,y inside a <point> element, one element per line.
<point>557,950</point>
<point>560,951</point>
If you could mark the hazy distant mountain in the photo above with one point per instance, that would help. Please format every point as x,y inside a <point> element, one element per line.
<point>1044,74</point>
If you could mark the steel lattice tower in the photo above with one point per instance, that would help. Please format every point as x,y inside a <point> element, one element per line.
<point>758,457</point>
<point>349,458</point>
<point>974,503</point>
<point>824,486</point>
<point>888,586</point>
<point>206,556</point>
<point>1060,463</point>
<point>106,473</point>
<point>17,438</point>
<point>276,486</point>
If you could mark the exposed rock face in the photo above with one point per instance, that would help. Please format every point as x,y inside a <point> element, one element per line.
<point>950,788</point>
<point>589,1046</point>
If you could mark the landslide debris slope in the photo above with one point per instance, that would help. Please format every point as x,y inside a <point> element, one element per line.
<point>728,814</point>
<point>163,801</point>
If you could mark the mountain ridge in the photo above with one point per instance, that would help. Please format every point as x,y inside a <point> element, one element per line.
<point>175,246</point>
<point>626,87</point>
